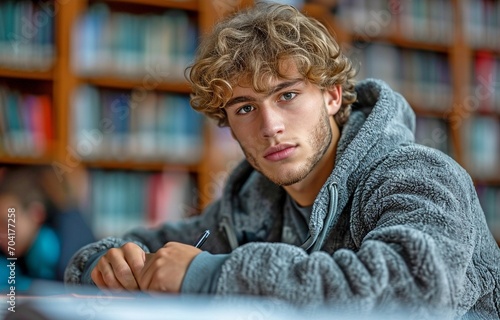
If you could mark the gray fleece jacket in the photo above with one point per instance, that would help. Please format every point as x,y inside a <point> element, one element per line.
<point>396,225</point>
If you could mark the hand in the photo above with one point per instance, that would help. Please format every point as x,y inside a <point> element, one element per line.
<point>165,269</point>
<point>119,268</point>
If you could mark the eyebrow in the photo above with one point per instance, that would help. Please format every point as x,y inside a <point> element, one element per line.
<point>277,88</point>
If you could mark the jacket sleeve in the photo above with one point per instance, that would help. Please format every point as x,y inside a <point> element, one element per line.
<point>150,240</point>
<point>413,222</point>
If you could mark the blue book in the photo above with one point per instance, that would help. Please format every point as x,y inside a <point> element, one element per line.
<point>164,124</point>
<point>3,25</point>
<point>87,40</point>
<point>177,126</point>
<point>28,105</point>
<point>7,14</point>
<point>14,122</point>
<point>193,131</point>
<point>117,110</point>
<point>86,136</point>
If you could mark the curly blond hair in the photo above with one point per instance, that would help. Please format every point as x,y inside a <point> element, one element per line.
<point>252,44</point>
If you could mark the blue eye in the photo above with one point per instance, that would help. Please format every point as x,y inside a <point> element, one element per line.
<point>245,109</point>
<point>287,96</point>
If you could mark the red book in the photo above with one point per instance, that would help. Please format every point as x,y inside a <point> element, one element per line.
<point>484,76</point>
<point>48,121</point>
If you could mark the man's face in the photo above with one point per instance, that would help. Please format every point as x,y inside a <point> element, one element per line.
<point>286,132</point>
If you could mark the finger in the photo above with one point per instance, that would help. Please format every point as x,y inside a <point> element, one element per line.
<point>120,258</point>
<point>107,275</point>
<point>135,258</point>
<point>97,278</point>
<point>146,274</point>
<point>149,256</point>
<point>143,275</point>
<point>124,276</point>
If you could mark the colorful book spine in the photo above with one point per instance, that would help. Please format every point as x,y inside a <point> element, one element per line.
<point>433,132</point>
<point>431,21</point>
<point>122,200</point>
<point>26,124</point>
<point>423,77</point>
<point>481,23</point>
<point>481,139</point>
<point>27,35</point>
<point>163,127</point>
<point>485,84</point>
<point>133,45</point>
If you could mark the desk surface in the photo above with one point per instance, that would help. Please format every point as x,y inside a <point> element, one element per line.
<point>50,301</point>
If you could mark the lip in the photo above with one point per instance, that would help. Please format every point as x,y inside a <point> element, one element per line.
<point>279,152</point>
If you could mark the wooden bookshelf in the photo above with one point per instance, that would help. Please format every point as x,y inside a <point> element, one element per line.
<point>190,5</point>
<point>22,74</point>
<point>123,83</point>
<point>400,41</point>
<point>142,165</point>
<point>10,160</point>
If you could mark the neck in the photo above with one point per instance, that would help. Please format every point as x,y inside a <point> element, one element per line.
<point>306,191</point>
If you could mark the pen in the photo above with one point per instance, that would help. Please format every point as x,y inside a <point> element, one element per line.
<point>201,240</point>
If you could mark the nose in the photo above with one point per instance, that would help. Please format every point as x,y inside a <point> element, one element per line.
<point>272,122</point>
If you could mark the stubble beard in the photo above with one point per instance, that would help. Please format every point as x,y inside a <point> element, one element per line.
<point>319,139</point>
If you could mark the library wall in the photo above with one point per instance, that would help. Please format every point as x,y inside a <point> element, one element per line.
<point>97,87</point>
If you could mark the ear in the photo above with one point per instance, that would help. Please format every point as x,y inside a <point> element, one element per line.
<point>37,212</point>
<point>333,99</point>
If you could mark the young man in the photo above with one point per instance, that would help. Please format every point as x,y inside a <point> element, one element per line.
<point>328,208</point>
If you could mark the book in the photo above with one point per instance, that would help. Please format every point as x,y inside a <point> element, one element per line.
<point>422,77</point>
<point>122,200</point>
<point>86,125</point>
<point>26,36</point>
<point>159,127</point>
<point>133,45</point>
<point>484,79</point>
<point>433,132</point>
<point>481,23</point>
<point>481,137</point>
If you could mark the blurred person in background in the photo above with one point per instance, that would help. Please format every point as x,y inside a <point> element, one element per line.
<point>40,225</point>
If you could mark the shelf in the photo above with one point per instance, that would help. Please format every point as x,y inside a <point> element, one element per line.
<point>190,5</point>
<point>441,114</point>
<point>315,10</point>
<point>493,51</point>
<point>399,41</point>
<point>122,83</point>
<point>140,165</point>
<point>492,182</point>
<point>9,160</point>
<point>23,74</point>
<point>488,113</point>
